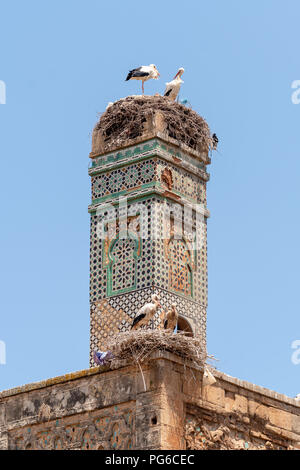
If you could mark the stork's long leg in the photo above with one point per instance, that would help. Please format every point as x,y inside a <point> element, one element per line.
<point>143,86</point>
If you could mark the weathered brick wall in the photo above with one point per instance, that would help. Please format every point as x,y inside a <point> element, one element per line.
<point>110,409</point>
<point>237,415</point>
<point>92,409</point>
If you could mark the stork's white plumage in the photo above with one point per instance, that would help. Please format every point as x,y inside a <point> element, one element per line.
<point>143,73</point>
<point>173,87</point>
<point>146,313</point>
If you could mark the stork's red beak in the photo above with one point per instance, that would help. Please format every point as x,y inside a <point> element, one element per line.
<point>176,75</point>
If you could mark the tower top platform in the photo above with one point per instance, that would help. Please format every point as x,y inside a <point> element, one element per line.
<point>137,118</point>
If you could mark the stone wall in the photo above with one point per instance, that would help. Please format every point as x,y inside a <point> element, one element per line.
<point>237,415</point>
<point>110,409</point>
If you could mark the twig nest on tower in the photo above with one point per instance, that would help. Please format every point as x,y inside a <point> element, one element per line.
<point>138,118</point>
<point>139,344</point>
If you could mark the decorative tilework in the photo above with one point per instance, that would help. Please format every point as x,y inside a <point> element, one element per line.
<point>180,270</point>
<point>123,266</point>
<point>148,148</point>
<point>115,314</point>
<point>103,429</point>
<point>118,180</point>
<point>150,174</point>
<point>151,258</point>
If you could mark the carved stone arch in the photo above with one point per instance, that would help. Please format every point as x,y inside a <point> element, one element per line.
<point>184,325</point>
<point>88,439</point>
<point>115,436</point>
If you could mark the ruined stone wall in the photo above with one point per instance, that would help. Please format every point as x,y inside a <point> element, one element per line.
<point>92,409</point>
<point>110,409</point>
<point>237,415</point>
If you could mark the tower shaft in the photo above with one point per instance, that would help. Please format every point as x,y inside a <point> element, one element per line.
<point>148,230</point>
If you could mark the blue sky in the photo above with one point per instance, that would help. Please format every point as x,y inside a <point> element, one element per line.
<point>62,62</point>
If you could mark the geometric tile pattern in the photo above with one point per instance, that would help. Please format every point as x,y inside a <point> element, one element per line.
<point>180,271</point>
<point>123,265</point>
<point>116,314</point>
<point>124,272</point>
<point>126,179</point>
<point>123,178</point>
<point>105,321</point>
<point>183,182</point>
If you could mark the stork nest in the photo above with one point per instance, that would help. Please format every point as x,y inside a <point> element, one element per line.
<point>124,120</point>
<point>138,345</point>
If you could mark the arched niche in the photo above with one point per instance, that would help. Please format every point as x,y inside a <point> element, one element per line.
<point>184,326</point>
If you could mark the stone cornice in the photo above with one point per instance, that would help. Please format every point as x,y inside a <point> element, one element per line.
<point>158,355</point>
<point>155,147</point>
<point>201,156</point>
<point>139,195</point>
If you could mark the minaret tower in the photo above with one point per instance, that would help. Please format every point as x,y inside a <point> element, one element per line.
<point>148,215</point>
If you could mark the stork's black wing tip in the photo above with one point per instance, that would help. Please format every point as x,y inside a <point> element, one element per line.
<point>130,73</point>
<point>137,319</point>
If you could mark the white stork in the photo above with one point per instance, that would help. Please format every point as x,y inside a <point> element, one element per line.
<point>146,313</point>
<point>143,73</point>
<point>170,322</point>
<point>173,87</point>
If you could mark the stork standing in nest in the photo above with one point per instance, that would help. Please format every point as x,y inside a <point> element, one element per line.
<point>173,87</point>
<point>171,319</point>
<point>143,73</point>
<point>146,313</point>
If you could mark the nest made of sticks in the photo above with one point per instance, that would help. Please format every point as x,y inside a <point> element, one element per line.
<point>138,345</point>
<point>124,120</point>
